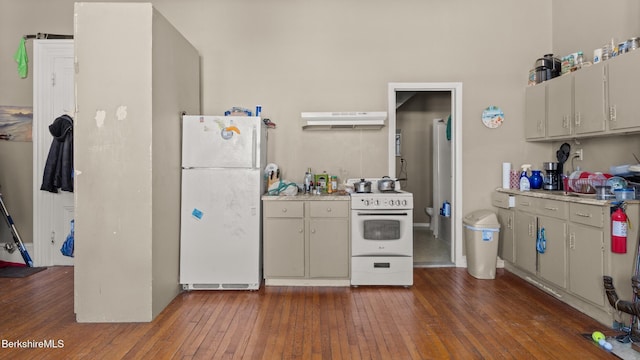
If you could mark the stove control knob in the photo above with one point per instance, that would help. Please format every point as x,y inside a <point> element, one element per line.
<point>376,202</point>
<point>366,202</point>
<point>404,202</point>
<point>397,202</point>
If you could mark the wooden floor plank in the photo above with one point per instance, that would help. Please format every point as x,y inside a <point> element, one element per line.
<point>447,314</point>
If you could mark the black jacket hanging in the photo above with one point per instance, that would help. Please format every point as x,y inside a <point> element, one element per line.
<point>58,170</point>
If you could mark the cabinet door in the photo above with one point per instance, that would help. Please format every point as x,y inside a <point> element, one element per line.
<point>506,248</point>
<point>624,86</point>
<point>535,112</point>
<point>526,241</point>
<point>586,262</point>
<point>283,240</point>
<point>552,263</point>
<point>329,253</point>
<point>560,106</point>
<point>590,112</point>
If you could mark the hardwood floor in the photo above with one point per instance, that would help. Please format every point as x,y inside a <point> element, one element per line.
<point>446,314</point>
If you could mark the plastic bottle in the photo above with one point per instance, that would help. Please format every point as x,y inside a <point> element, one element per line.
<point>580,60</point>
<point>334,183</point>
<point>308,182</point>
<point>525,185</point>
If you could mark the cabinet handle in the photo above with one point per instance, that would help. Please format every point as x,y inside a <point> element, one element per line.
<point>578,119</point>
<point>565,121</point>
<point>525,203</point>
<point>550,208</point>
<point>572,241</point>
<point>313,231</point>
<point>612,113</point>
<point>509,225</point>
<point>328,209</point>
<point>584,215</point>
<point>300,231</point>
<point>284,210</point>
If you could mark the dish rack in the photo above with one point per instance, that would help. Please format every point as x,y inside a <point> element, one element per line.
<point>585,183</point>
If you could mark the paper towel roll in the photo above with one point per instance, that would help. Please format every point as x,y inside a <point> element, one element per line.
<point>506,171</point>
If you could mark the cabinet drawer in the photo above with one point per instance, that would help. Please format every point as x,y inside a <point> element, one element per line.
<point>502,200</point>
<point>526,203</point>
<point>329,208</point>
<point>284,209</point>
<point>553,208</point>
<point>587,214</point>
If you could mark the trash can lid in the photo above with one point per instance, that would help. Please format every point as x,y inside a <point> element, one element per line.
<point>482,219</point>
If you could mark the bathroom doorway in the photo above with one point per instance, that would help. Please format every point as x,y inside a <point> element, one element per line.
<point>423,121</point>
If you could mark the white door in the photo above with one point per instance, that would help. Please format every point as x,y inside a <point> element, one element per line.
<point>53,96</point>
<point>220,226</point>
<point>220,141</point>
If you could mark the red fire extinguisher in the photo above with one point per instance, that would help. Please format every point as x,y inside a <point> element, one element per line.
<point>619,232</point>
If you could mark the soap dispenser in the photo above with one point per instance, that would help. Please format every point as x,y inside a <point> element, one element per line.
<point>525,185</point>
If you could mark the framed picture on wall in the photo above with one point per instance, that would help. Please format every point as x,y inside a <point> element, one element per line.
<point>16,123</point>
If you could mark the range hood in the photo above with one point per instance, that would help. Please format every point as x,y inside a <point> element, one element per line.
<point>368,120</point>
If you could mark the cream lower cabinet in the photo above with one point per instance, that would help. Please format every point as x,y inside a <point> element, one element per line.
<point>507,220</point>
<point>506,248</point>
<point>552,257</point>
<point>283,236</point>
<point>552,240</point>
<point>577,253</point>
<point>525,234</point>
<point>305,241</point>
<point>586,251</point>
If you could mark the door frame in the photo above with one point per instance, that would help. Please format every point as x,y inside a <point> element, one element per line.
<point>455,88</point>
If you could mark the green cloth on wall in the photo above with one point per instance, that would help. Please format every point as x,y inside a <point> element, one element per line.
<point>449,128</point>
<point>21,58</point>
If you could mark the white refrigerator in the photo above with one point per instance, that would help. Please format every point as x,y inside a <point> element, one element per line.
<point>222,181</point>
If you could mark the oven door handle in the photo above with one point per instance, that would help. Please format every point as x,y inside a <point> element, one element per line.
<point>382,214</point>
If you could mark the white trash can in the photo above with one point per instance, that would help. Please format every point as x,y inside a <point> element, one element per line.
<point>481,233</point>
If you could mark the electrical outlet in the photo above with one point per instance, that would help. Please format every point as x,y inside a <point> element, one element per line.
<point>579,154</point>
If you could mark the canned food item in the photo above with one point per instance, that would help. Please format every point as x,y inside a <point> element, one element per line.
<point>532,77</point>
<point>622,48</point>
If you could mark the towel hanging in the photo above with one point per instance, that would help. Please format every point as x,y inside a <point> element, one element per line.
<point>21,58</point>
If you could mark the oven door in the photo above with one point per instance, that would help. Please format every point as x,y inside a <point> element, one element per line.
<point>382,232</point>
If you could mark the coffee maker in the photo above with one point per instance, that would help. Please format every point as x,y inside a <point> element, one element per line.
<point>551,179</point>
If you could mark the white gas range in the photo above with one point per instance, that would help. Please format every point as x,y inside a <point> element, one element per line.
<point>381,236</point>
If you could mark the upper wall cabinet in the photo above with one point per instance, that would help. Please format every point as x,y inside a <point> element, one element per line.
<point>594,101</point>
<point>535,112</point>
<point>624,87</point>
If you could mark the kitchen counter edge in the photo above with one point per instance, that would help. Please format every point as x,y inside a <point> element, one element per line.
<point>560,195</point>
<point>305,197</point>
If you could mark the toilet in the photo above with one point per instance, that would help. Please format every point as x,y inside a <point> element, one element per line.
<point>429,211</point>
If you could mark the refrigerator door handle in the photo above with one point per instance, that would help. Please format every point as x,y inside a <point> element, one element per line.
<point>254,147</point>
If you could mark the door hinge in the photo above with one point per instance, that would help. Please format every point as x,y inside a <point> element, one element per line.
<point>53,237</point>
<point>53,79</point>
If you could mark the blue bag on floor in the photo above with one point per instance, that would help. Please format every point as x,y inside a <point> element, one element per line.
<point>67,246</point>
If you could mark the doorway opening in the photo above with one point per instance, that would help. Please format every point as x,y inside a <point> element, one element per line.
<point>425,127</point>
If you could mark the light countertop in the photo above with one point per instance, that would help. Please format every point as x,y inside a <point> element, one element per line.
<point>562,196</point>
<point>305,197</point>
